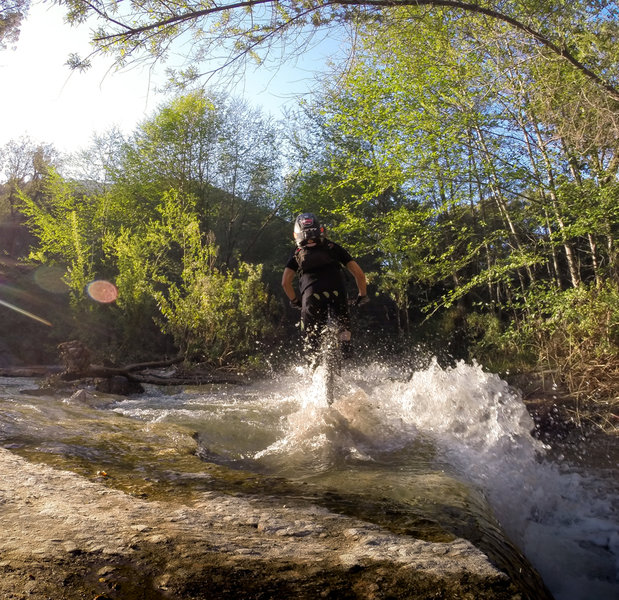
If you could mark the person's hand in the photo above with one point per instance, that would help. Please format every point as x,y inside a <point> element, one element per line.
<point>296,303</point>
<point>360,300</point>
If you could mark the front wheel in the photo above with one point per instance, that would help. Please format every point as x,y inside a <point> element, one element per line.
<point>331,355</point>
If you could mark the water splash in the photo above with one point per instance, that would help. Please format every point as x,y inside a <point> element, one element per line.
<point>479,426</point>
<point>555,516</point>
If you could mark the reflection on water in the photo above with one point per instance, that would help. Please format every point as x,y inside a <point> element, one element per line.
<point>423,453</point>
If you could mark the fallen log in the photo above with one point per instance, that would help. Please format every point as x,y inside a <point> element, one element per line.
<point>30,371</point>
<point>123,380</point>
<point>128,371</point>
<point>127,379</point>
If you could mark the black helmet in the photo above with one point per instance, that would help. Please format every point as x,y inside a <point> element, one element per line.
<point>306,228</point>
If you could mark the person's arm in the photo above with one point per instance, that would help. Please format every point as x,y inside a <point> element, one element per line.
<point>359,276</point>
<point>287,279</point>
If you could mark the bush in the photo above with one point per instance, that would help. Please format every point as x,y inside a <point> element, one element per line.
<point>220,317</point>
<point>572,333</point>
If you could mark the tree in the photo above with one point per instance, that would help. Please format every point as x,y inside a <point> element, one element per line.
<point>216,149</point>
<point>12,14</point>
<point>69,229</point>
<point>248,28</point>
<point>485,184</point>
<point>396,130</point>
<point>99,164</point>
<point>144,216</point>
<point>437,163</point>
<point>24,165</point>
<point>22,162</point>
<point>213,315</point>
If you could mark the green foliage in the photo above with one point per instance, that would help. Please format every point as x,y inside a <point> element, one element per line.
<point>219,317</point>
<point>588,207</point>
<point>559,322</point>
<point>193,172</point>
<point>65,226</point>
<point>471,169</point>
<point>572,334</point>
<point>212,315</point>
<point>218,150</point>
<point>230,34</point>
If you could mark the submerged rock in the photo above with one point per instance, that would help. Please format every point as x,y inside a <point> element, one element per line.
<point>89,398</point>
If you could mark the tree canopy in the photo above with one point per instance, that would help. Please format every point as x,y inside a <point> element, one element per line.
<point>178,223</point>
<point>225,32</point>
<point>12,14</point>
<point>483,202</point>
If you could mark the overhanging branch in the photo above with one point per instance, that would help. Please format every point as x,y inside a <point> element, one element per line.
<point>133,33</point>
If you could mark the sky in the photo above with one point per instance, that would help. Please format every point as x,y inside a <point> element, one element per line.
<point>44,101</point>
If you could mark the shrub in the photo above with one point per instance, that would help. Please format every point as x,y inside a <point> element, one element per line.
<point>220,317</point>
<point>572,333</point>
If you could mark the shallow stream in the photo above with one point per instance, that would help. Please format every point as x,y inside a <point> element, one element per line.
<point>431,452</point>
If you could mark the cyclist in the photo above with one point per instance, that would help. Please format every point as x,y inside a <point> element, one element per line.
<point>318,262</point>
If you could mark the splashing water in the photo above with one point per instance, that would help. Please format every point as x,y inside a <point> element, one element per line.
<point>564,522</point>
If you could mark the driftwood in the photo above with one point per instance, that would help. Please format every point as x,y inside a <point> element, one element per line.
<point>132,373</point>
<point>127,379</point>
<point>30,371</point>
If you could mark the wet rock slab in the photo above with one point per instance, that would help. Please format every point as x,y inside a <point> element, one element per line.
<point>64,536</point>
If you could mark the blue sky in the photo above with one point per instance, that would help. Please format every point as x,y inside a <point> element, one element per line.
<point>43,100</point>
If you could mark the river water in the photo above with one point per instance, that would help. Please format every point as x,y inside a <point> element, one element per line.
<point>432,451</point>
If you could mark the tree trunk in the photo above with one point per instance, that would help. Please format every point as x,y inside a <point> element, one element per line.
<point>502,207</point>
<point>569,254</point>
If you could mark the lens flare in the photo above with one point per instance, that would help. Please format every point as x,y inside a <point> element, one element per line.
<point>25,312</point>
<point>51,279</point>
<point>102,291</point>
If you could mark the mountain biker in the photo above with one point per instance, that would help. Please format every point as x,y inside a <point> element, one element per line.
<point>318,262</point>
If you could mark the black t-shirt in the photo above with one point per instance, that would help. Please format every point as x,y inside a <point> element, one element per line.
<point>322,267</point>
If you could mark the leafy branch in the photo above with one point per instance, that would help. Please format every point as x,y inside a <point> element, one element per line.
<point>249,24</point>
